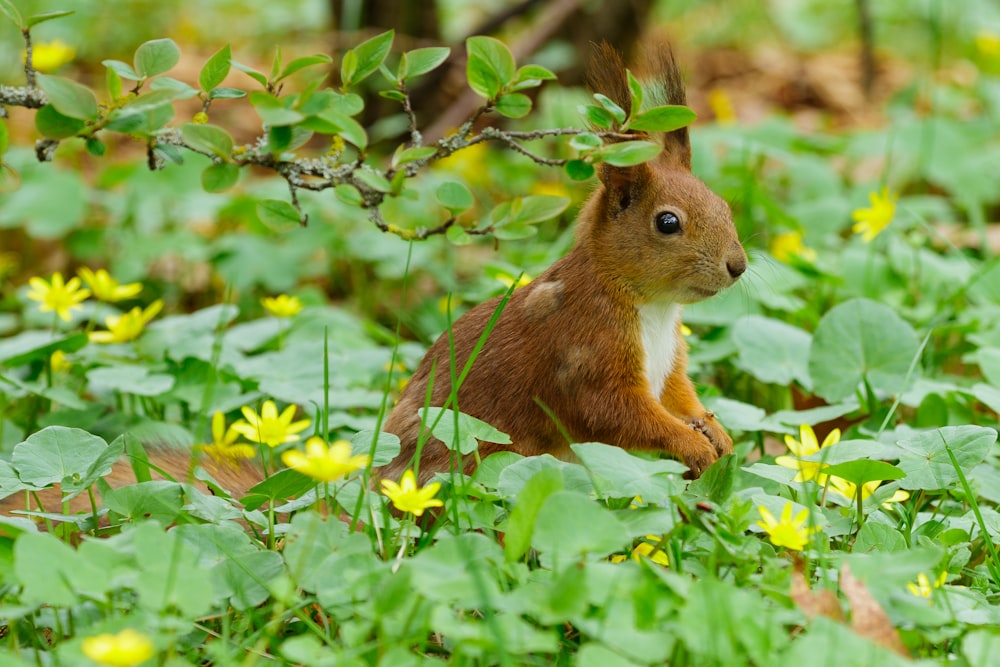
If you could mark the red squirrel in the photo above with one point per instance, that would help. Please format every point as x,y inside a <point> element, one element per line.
<point>593,346</point>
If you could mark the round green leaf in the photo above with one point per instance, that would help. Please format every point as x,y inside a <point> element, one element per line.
<point>863,471</point>
<point>772,351</point>
<point>278,215</point>
<point>348,194</point>
<point>209,139</point>
<point>492,58</point>
<point>68,97</point>
<point>96,147</point>
<point>570,525</point>
<point>54,453</point>
<point>663,119</point>
<point>156,57</point>
<point>579,170</point>
<point>513,105</point>
<point>455,197</point>
<point>55,125</point>
<point>629,153</point>
<point>219,177</point>
<point>4,139</point>
<point>420,61</point>
<point>924,457</point>
<point>857,340</point>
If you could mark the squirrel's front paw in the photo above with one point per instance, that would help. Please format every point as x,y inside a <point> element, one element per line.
<point>697,455</point>
<point>708,426</point>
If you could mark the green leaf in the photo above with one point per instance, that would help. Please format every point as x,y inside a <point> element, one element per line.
<point>663,119</point>
<point>279,486</point>
<point>219,177</point>
<point>482,78</point>
<point>96,147</point>
<point>860,340</point>
<point>924,458</point>
<point>629,153</point>
<point>349,195</point>
<point>597,116</point>
<point>513,105</point>
<point>533,209</point>
<point>465,439</point>
<point>215,69</point>
<point>861,472</point>
<point>10,11</point>
<point>331,121</point>
<point>177,89</point>
<point>586,141</point>
<point>635,91</point>
<point>491,56</point>
<point>279,138</point>
<point>226,94</point>
<point>302,63</point>
<point>611,107</point>
<point>209,139</point>
<point>99,468</point>
<point>455,197</point>
<point>579,170</point>
<point>29,346</point>
<point>129,379</point>
<point>361,61</point>
<point>420,61</point>
<point>531,76</point>
<point>521,522</point>
<point>875,536</point>
<point>373,180</point>
<point>570,526</point>
<point>155,57</point>
<point>124,70</point>
<point>68,97</point>
<point>772,351</point>
<point>273,111</point>
<point>55,453</point>
<point>618,474</point>
<point>54,125</point>
<point>251,72</point>
<point>52,573</point>
<point>278,215</point>
<point>114,83</point>
<point>48,16</point>
<point>402,157</point>
<point>4,139</point>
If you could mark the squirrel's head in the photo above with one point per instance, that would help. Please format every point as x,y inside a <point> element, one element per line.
<point>655,226</point>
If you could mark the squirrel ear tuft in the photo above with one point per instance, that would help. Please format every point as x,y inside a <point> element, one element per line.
<point>606,75</point>
<point>667,87</point>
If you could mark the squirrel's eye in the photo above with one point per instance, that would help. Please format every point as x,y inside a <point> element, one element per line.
<point>667,222</point>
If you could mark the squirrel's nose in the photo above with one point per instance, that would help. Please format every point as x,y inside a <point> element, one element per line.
<point>737,265</point>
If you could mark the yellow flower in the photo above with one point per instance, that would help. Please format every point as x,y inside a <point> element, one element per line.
<point>125,649</point>
<point>722,106</point>
<point>49,56</point>
<point>127,326</point>
<point>649,548</point>
<point>57,296</point>
<point>869,222</point>
<point>788,246</point>
<point>407,497</point>
<point>269,427</point>
<point>507,280</point>
<point>106,288</point>
<point>805,446</point>
<point>282,305</point>
<point>224,448</point>
<point>924,586</point>
<point>58,363</point>
<point>325,463</point>
<point>988,44</point>
<point>788,532</point>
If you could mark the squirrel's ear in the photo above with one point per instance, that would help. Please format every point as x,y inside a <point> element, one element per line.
<point>623,185</point>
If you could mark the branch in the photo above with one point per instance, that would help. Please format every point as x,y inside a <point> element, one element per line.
<point>22,96</point>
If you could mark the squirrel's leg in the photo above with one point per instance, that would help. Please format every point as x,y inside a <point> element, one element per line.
<point>681,400</point>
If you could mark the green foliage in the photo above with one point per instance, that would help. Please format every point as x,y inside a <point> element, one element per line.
<point>612,559</point>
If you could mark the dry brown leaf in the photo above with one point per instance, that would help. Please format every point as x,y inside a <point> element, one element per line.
<point>813,603</point>
<point>868,618</point>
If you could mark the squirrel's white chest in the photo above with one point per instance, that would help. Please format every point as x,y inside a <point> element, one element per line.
<point>658,327</point>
